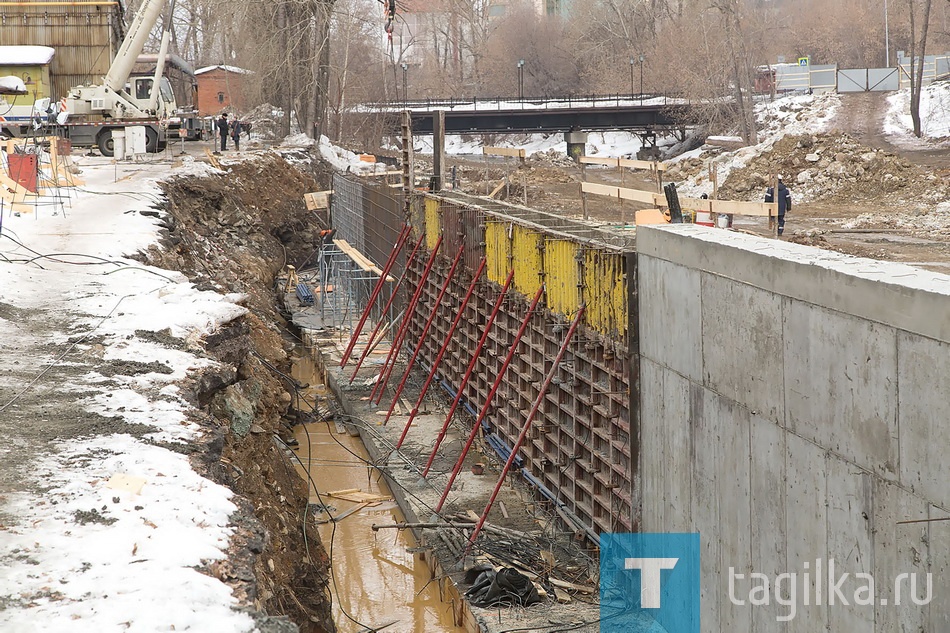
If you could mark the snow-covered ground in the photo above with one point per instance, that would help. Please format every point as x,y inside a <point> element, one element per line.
<point>934,116</point>
<point>132,567</point>
<point>613,144</point>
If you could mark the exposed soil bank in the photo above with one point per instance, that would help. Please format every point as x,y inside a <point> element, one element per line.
<point>233,232</point>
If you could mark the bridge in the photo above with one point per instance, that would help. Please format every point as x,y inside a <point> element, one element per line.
<point>650,115</point>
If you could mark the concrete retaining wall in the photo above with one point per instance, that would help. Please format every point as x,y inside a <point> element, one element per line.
<point>795,406</point>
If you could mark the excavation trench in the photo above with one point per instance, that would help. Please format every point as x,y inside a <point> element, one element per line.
<point>380,580</point>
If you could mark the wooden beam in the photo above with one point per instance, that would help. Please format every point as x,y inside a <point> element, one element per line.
<point>764,209</point>
<point>648,165</point>
<point>621,193</point>
<point>504,151</point>
<point>359,259</point>
<point>318,200</point>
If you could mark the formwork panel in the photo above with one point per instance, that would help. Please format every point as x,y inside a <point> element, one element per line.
<point>497,250</point>
<point>433,222</point>
<point>452,232</point>
<point>562,274</point>
<point>472,226</point>
<point>527,250</point>
<point>605,293</point>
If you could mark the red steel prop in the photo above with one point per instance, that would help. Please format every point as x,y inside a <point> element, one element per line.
<point>468,372</point>
<point>390,363</point>
<point>400,241</point>
<point>527,425</point>
<point>491,395</point>
<point>425,332</point>
<point>389,303</point>
<point>442,350</point>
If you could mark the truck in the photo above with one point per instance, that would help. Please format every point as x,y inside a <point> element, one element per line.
<point>88,114</point>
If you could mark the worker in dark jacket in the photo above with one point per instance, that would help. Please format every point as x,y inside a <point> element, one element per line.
<point>236,134</point>
<point>784,202</point>
<point>222,125</point>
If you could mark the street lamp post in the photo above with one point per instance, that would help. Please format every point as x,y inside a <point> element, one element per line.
<point>887,38</point>
<point>642,58</point>
<point>633,62</point>
<point>405,83</point>
<point>521,79</point>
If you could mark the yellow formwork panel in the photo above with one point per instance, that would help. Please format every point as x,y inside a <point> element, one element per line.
<point>527,249</point>
<point>562,273</point>
<point>605,292</point>
<point>418,217</point>
<point>497,250</point>
<point>433,223</point>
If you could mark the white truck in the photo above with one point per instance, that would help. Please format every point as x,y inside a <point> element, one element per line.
<point>88,115</point>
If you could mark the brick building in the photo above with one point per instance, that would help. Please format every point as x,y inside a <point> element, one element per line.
<point>220,88</point>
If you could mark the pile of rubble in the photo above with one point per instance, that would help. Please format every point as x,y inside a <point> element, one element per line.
<point>550,158</point>
<point>833,166</point>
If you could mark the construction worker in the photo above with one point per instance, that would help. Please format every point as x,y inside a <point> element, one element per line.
<point>222,125</point>
<point>784,202</point>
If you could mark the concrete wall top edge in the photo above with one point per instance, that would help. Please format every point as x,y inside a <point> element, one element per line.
<point>894,294</point>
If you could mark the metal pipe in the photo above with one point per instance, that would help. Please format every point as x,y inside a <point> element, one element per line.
<point>490,396</point>
<point>468,372</point>
<point>389,303</point>
<point>442,350</point>
<point>422,336</point>
<point>400,242</point>
<point>527,424</point>
<point>390,363</point>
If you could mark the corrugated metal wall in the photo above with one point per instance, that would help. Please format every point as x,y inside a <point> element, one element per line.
<point>85,38</point>
<point>581,449</point>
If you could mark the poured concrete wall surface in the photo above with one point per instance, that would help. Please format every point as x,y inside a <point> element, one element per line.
<point>795,407</point>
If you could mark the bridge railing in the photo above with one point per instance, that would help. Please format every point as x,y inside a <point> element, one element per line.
<point>528,103</point>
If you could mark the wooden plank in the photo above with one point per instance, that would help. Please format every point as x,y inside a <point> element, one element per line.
<point>497,189</point>
<point>622,193</point>
<point>597,160</point>
<point>317,200</point>
<point>745,208</point>
<point>638,195</point>
<point>212,158</point>
<point>359,259</point>
<point>694,204</point>
<point>647,165</point>
<point>504,151</point>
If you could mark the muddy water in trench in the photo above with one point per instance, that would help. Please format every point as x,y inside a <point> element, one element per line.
<point>378,578</point>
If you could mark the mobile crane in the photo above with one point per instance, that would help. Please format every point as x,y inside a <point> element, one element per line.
<point>93,112</point>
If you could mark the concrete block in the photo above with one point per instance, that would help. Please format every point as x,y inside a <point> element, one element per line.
<point>742,344</point>
<point>767,527</point>
<point>806,525</point>
<point>840,386</point>
<point>924,416</point>
<point>670,316</point>
<point>887,292</point>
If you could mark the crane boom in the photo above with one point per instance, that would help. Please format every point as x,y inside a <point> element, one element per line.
<point>146,18</point>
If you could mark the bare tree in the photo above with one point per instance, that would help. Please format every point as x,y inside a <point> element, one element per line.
<point>918,52</point>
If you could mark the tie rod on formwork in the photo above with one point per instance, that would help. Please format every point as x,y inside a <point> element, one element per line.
<point>424,333</point>
<point>389,303</point>
<point>442,350</point>
<point>390,364</point>
<point>400,241</point>
<point>468,372</point>
<point>527,425</point>
<point>490,396</point>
